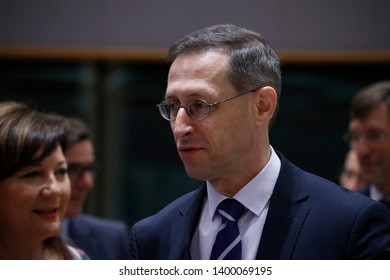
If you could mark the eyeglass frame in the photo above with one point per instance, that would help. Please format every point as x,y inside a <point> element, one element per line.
<point>77,171</point>
<point>209,105</point>
<point>370,137</point>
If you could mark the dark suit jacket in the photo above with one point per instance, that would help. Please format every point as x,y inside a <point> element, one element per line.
<point>101,239</point>
<point>309,218</point>
<point>365,191</point>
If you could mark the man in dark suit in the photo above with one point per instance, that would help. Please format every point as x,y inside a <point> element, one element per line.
<point>222,96</point>
<point>101,239</point>
<point>369,136</point>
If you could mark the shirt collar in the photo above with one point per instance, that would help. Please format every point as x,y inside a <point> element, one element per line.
<point>256,194</point>
<point>376,194</point>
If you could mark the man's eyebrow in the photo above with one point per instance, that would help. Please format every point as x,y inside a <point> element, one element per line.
<point>191,95</point>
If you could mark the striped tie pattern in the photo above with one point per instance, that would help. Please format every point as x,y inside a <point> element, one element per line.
<point>227,244</point>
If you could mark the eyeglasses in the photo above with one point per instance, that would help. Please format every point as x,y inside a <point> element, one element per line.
<point>371,137</point>
<point>77,171</point>
<point>197,109</point>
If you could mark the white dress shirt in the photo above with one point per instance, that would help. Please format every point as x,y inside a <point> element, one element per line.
<point>376,194</point>
<point>254,196</point>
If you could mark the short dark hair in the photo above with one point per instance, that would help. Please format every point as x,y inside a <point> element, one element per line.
<point>77,131</point>
<point>253,62</point>
<point>368,98</point>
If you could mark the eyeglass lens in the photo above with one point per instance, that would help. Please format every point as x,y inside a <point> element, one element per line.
<point>197,109</point>
<point>79,170</point>
<point>371,137</point>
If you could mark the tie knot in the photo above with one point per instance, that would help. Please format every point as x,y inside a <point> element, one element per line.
<point>231,209</point>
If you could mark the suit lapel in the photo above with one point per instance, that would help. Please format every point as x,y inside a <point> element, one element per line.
<point>183,226</point>
<point>82,236</point>
<point>365,190</point>
<point>286,215</point>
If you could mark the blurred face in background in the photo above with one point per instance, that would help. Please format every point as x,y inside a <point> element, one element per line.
<point>81,159</point>
<point>34,200</point>
<point>370,138</point>
<point>351,177</point>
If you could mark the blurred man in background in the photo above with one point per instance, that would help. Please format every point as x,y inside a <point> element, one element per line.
<point>369,136</point>
<point>100,238</point>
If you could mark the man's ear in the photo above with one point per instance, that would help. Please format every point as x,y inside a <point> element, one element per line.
<point>265,104</point>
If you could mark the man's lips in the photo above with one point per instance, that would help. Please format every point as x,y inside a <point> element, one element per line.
<point>368,163</point>
<point>74,198</point>
<point>187,150</point>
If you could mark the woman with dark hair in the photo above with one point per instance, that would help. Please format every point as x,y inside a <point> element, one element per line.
<point>34,184</point>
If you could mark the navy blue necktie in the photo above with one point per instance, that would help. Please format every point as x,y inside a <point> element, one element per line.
<point>227,244</point>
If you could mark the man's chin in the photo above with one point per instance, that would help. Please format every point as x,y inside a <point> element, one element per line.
<point>73,211</point>
<point>195,174</point>
<point>371,177</point>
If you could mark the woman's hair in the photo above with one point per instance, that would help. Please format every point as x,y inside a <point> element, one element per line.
<point>23,133</point>
<point>28,136</point>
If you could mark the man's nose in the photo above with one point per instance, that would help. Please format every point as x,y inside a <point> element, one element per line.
<point>183,124</point>
<point>361,146</point>
<point>85,180</point>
